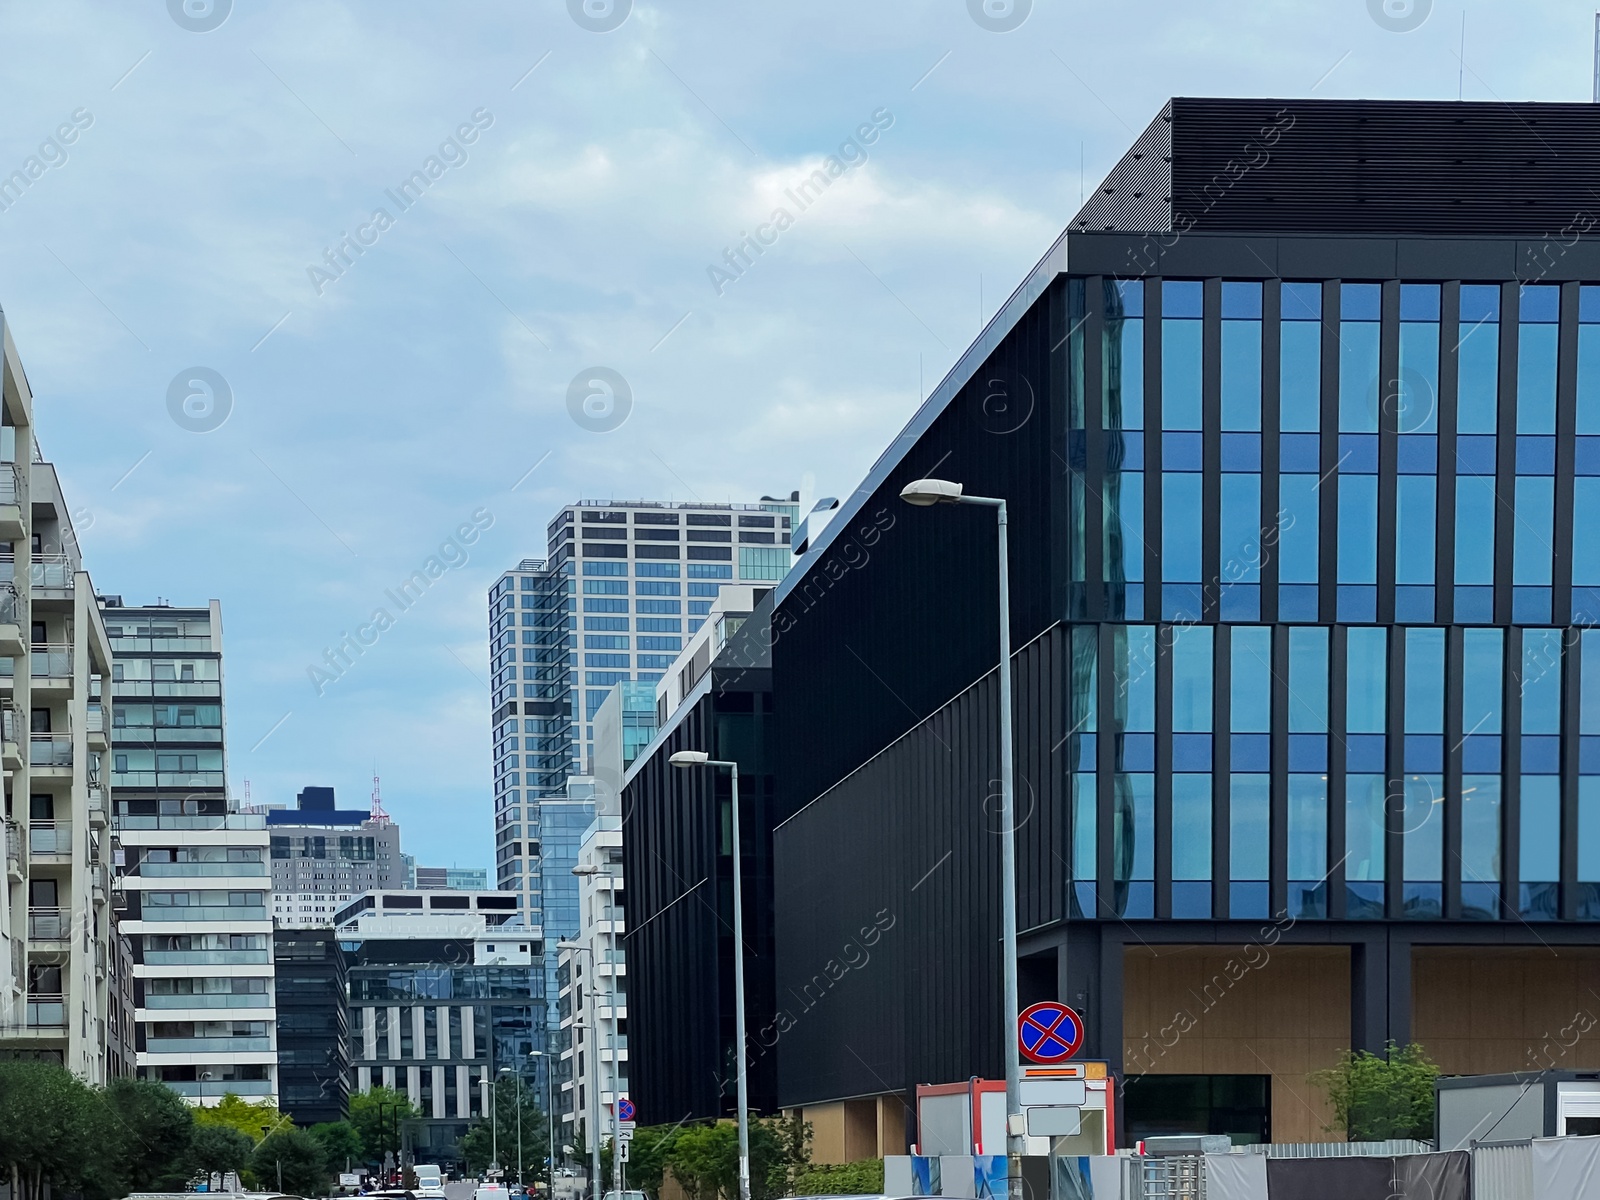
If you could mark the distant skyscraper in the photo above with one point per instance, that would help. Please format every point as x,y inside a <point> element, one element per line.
<point>323,857</point>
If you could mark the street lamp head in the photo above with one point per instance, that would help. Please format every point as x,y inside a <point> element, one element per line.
<point>586,869</point>
<point>926,492</point>
<point>689,758</point>
<point>571,946</point>
<point>505,1070</point>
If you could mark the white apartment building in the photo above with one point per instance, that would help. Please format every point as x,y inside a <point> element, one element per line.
<point>592,1044</point>
<point>197,876</point>
<point>56,923</point>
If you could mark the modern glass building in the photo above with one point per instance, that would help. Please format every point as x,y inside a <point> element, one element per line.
<point>1297,425</point>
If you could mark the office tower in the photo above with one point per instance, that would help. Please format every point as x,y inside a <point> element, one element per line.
<point>324,856</point>
<point>445,989</point>
<point>197,879</point>
<point>314,1073</point>
<point>457,879</point>
<point>57,929</point>
<point>1298,449</point>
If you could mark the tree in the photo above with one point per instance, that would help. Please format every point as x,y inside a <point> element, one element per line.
<point>340,1142</point>
<point>291,1160</point>
<point>1374,1099</point>
<point>253,1120</point>
<point>151,1129</point>
<point>648,1157</point>
<point>375,1114</point>
<point>53,1131</point>
<point>513,1102</point>
<point>218,1149</point>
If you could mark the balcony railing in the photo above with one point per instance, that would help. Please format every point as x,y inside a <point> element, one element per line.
<point>202,870</point>
<point>207,1087</point>
<point>12,721</point>
<point>50,571</point>
<point>197,1045</point>
<point>8,603</point>
<point>50,750</point>
<point>210,1000</point>
<point>49,839</point>
<point>49,924</point>
<point>50,660</point>
<point>204,912</point>
<point>10,488</point>
<point>195,821</point>
<point>203,958</point>
<point>170,779</point>
<point>97,719</point>
<point>46,1010</point>
<point>13,842</point>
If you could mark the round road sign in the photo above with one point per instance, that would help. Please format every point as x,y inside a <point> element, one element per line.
<point>625,1109</point>
<point>1049,1032</point>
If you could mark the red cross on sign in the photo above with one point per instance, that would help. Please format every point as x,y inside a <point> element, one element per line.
<point>1049,1032</point>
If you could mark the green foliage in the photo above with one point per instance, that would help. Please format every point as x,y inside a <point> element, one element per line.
<point>704,1159</point>
<point>647,1157</point>
<point>218,1149</point>
<point>514,1103</point>
<point>255,1121</point>
<point>340,1142</point>
<point>149,1136</point>
<point>864,1178</point>
<point>373,1115</point>
<point>1375,1098</point>
<point>54,1132</point>
<point>294,1157</point>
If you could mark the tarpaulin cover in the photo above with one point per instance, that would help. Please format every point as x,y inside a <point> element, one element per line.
<point>1072,1180</point>
<point>1411,1177</point>
<point>1567,1168</point>
<point>1236,1177</point>
<point>1106,1172</point>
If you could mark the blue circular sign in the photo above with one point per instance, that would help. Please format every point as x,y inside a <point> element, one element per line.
<point>625,1109</point>
<point>1049,1032</point>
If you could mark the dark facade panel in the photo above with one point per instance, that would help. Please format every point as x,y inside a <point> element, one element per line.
<point>888,903</point>
<point>680,907</point>
<point>859,623</point>
<point>313,1026</point>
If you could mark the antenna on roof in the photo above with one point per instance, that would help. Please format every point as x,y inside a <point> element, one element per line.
<point>378,815</point>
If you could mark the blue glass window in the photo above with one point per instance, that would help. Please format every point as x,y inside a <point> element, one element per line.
<point>1181,513</point>
<point>1241,356</point>
<point>1300,366</point>
<point>1536,360</point>
<point>1424,681</point>
<point>1133,828</point>
<point>1367,676</point>
<point>1540,861</point>
<point>1416,393</point>
<point>1589,682</point>
<point>1414,528</point>
<point>1475,515</point>
<point>1480,829</point>
<point>1083,826</point>
<point>1242,549</point>
<point>1308,679</point>
<point>1589,828</point>
<point>1358,357</point>
<point>1191,679</point>
<point>1251,679</point>
<point>1530,557</point>
<point>1585,545</point>
<point>1297,529</point>
<point>1191,826</point>
<point>1124,526</point>
<point>1181,354</point>
<point>1589,374</point>
<point>1249,824</point>
<point>1541,681</point>
<point>1478,356</point>
<point>1424,828</point>
<point>1085,672</point>
<point>1133,649</point>
<point>1358,529</point>
<point>1482,680</point>
<point>1123,377</point>
<point>1308,827</point>
<point>1364,827</point>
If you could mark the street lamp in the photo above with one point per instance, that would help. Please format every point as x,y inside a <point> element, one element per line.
<point>699,758</point>
<point>592,1134</point>
<point>924,493</point>
<point>507,1071</point>
<point>549,1120</point>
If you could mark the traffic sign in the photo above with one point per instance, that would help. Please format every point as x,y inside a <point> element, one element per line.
<point>625,1109</point>
<point>622,1151</point>
<point>1049,1032</point>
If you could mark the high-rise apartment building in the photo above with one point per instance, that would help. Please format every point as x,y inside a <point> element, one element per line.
<point>622,585</point>
<point>197,877</point>
<point>592,990</point>
<point>324,856</point>
<point>57,931</point>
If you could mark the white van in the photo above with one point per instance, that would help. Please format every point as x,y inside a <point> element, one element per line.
<point>429,1175</point>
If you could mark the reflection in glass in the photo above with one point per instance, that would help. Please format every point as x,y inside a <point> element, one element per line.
<point>1308,679</point>
<point>1424,681</point>
<point>1122,379</point>
<point>1191,826</point>
<point>1191,679</point>
<point>1367,675</point>
<point>1424,828</point>
<point>1297,525</point>
<point>1251,679</point>
<point>1364,826</point>
<point>1358,529</point>
<point>1249,821</point>
<point>1540,860</point>
<point>1308,827</point>
<point>1083,826</point>
<point>1589,828</point>
<point>1541,680</point>
<point>1480,829</point>
<point>1133,650</point>
<point>1414,528</point>
<point>1482,680</point>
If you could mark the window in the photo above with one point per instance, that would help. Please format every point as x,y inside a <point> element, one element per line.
<point>1181,354</point>
<point>1359,305</point>
<point>1300,369</point>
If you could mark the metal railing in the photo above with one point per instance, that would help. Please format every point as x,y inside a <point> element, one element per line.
<point>46,1010</point>
<point>209,1000</point>
<point>13,841</point>
<point>49,924</point>
<point>49,838</point>
<point>12,722</point>
<point>51,571</point>
<point>196,821</point>
<point>50,660</point>
<point>10,484</point>
<point>50,750</point>
<point>97,719</point>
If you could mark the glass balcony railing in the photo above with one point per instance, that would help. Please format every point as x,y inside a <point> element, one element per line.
<point>204,912</point>
<point>50,750</point>
<point>200,1045</point>
<point>49,838</point>
<point>204,958</point>
<point>210,1000</point>
<point>49,924</point>
<point>202,870</point>
<point>193,821</point>
<point>221,1087</point>
<point>50,572</point>
<point>9,488</point>
<point>8,604</point>
<point>170,779</point>
<point>97,719</point>
<point>12,722</point>
<point>50,660</point>
<point>46,1011</point>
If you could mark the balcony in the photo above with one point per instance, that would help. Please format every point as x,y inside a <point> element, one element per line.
<point>200,1045</point>
<point>11,643</point>
<point>100,960</point>
<point>46,1011</point>
<point>50,754</point>
<point>210,1000</point>
<point>204,958</point>
<point>99,882</point>
<point>15,727</point>
<point>50,665</point>
<point>50,841</point>
<point>194,1088</point>
<point>99,807</point>
<point>14,871</point>
<point>195,821</point>
<point>98,728</point>
<point>50,576</point>
<point>203,870</point>
<point>204,912</point>
<point>12,527</point>
<point>49,925</point>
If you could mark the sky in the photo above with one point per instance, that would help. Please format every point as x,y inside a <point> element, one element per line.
<point>272,375</point>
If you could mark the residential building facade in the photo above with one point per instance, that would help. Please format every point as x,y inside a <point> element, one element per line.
<point>324,856</point>
<point>57,932</point>
<point>1298,437</point>
<point>197,880</point>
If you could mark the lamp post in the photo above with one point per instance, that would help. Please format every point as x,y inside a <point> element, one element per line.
<point>493,1089</point>
<point>549,1121</point>
<point>699,758</point>
<point>924,493</point>
<point>592,1132</point>
<point>508,1071</point>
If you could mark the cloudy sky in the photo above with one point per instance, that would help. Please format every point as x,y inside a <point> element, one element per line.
<point>228,161</point>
